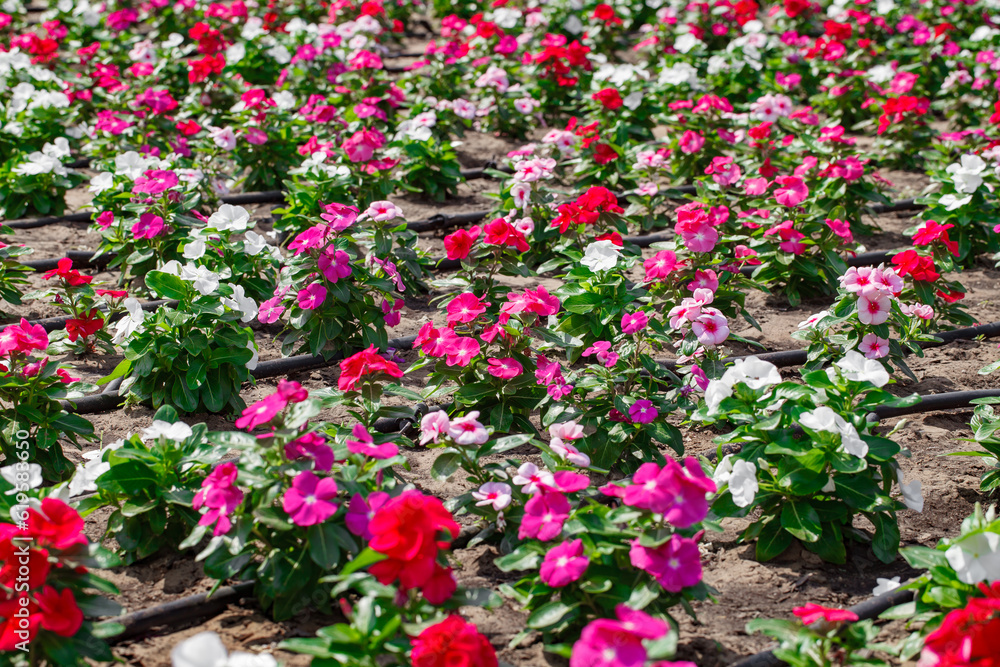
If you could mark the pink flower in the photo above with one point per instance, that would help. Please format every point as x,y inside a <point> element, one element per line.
<point>333,264</point>
<point>219,494</point>
<point>360,513</point>
<point>873,307</point>
<point>691,142</point>
<point>504,369</point>
<point>532,479</point>
<point>544,516</point>
<point>361,145</point>
<point>467,431</point>
<point>643,412</point>
<point>674,491</point>
<point>270,311</point>
<point>149,226</point>
<point>858,279</point>
<point>704,279</point>
<point>675,564</point>
<point>700,237</point>
<point>496,494</point>
<point>813,612</point>
<point>755,186</point>
<point>390,312</point>
<point>660,265</point>
<point>605,354</point>
<point>711,327</point>
<point>632,323</point>
<point>338,217</point>
<point>309,501</point>
<point>793,191</point>
<point>569,452</point>
<point>105,219</point>
<point>261,412</point>
<point>564,564</point>
<point>874,347</point>
<point>618,643</point>
<point>383,211</point>
<point>434,425</point>
<point>461,351</point>
<point>841,228</point>
<point>362,443</point>
<point>23,337</point>
<point>724,171</point>
<point>465,308</point>
<point>312,297</point>
<point>311,446</point>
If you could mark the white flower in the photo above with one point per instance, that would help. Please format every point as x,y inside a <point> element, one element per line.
<point>885,585</point>
<point>601,256</point>
<point>496,494</point>
<point>753,372</point>
<point>569,452</point>
<point>40,163</point>
<point>103,181</point>
<point>178,431</point>
<point>59,149</point>
<point>223,137</point>
<point>881,74</point>
<point>743,483</point>
<point>813,320</point>
<point>530,478</point>
<point>966,175</point>
<point>128,325</point>
<point>715,393</point>
<point>205,649</point>
<point>194,249</point>
<point>33,471</point>
<point>953,203</point>
<point>131,165</point>
<point>852,442</point>
<point>86,475</point>
<point>254,243</point>
<point>252,364</point>
<point>723,471</point>
<point>975,558</point>
<point>855,367</point>
<point>633,100</point>
<point>204,280</point>
<point>825,419</point>
<point>284,99</point>
<point>280,54</point>
<point>242,303</point>
<point>677,74</point>
<point>686,43</point>
<point>230,218</point>
<point>913,498</point>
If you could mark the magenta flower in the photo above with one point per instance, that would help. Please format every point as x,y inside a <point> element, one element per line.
<point>155,181</point>
<point>461,351</point>
<point>793,191</point>
<point>261,412</point>
<point>675,564</point>
<point>334,264</point>
<point>564,564</point>
<point>544,516</point>
<point>311,446</point>
<point>270,311</point>
<point>362,443</point>
<point>219,494</point>
<point>618,643</point>
<point>504,369</point>
<point>149,226</point>
<point>643,412</point>
<point>631,323</point>
<point>605,354</point>
<point>660,265</point>
<point>465,308</point>
<point>360,513</point>
<point>677,493</point>
<point>339,216</point>
<point>312,297</point>
<point>309,501</point>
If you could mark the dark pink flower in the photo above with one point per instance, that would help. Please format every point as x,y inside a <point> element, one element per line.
<point>310,500</point>
<point>564,564</point>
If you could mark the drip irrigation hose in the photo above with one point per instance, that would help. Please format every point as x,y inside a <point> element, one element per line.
<point>82,259</point>
<point>31,223</point>
<point>56,323</point>
<point>869,609</point>
<point>110,400</point>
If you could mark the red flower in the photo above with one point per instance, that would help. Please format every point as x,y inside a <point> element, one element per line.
<point>501,232</point>
<point>604,153</point>
<point>813,612</point>
<point>86,326</point>
<point>452,643</point>
<point>920,267</point>
<point>9,639</point>
<point>66,271</point>
<point>609,98</point>
<point>406,530</point>
<point>951,297</point>
<point>60,613</point>
<point>614,237</point>
<point>969,636</point>
<point>38,561</point>
<point>606,13</point>
<point>934,231</point>
<point>57,526</point>
<point>366,362</point>
<point>459,244</point>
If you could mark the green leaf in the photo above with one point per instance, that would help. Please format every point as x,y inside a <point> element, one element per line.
<point>551,613</point>
<point>522,558</point>
<point>324,545</point>
<point>166,285</point>
<point>445,465</point>
<point>801,520</point>
<point>362,560</point>
<point>772,541</point>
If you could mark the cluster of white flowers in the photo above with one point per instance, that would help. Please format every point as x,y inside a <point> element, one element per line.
<point>46,161</point>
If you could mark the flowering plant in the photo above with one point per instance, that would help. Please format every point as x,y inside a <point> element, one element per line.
<point>984,425</point>
<point>12,272</point>
<point>37,182</point>
<point>31,388</point>
<point>808,463</point>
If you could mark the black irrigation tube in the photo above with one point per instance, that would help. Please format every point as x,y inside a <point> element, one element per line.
<point>110,400</point>
<point>869,609</point>
<point>81,259</point>
<point>57,323</point>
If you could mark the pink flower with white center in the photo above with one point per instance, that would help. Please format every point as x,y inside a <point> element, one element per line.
<point>564,564</point>
<point>544,516</point>
<point>858,279</point>
<point>433,426</point>
<point>334,264</point>
<point>312,297</point>
<point>724,171</point>
<point>310,500</point>
<point>383,211</point>
<point>873,307</point>
<point>841,228</point>
<point>361,442</point>
<point>149,226</point>
<point>874,347</point>
<point>270,311</point>
<point>221,496</point>
<point>793,191</point>
<point>704,279</point>
<point>647,189</point>
<point>702,238</point>
<point>465,308</point>
<point>531,478</point>
<point>634,322</point>
<point>496,494</point>
<point>460,350</point>
<point>569,452</point>
<point>505,369</point>
<point>711,327</point>
<point>660,265</point>
<point>691,142</point>
<point>467,430</point>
